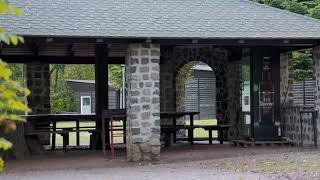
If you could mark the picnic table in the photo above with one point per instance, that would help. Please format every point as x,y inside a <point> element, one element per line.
<point>174,116</point>
<point>44,121</point>
<point>172,129</point>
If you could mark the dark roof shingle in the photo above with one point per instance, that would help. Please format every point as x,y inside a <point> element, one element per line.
<point>159,19</point>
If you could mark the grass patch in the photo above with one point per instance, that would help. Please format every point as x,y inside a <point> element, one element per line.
<point>85,136</point>
<point>198,133</point>
<point>274,166</point>
<point>311,163</point>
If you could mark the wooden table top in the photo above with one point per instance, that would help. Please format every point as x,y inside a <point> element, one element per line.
<point>67,117</point>
<point>92,117</point>
<point>168,114</point>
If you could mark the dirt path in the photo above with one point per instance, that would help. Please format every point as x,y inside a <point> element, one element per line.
<point>197,162</point>
<point>176,171</point>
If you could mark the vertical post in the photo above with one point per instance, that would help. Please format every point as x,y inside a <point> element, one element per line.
<point>101,85</point>
<point>175,133</point>
<point>315,130</point>
<point>124,130</point>
<point>198,93</point>
<point>143,102</point>
<point>123,94</point>
<point>78,132</point>
<point>304,91</point>
<point>301,130</point>
<point>54,128</point>
<point>191,129</point>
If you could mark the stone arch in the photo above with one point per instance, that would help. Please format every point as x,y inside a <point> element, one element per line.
<point>175,58</point>
<point>181,80</point>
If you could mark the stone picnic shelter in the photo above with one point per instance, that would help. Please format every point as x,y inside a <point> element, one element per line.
<point>155,40</point>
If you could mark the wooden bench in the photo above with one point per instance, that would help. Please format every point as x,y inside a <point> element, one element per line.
<point>219,128</point>
<point>171,129</point>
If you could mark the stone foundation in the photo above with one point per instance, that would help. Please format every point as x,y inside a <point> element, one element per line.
<point>143,102</point>
<point>291,119</point>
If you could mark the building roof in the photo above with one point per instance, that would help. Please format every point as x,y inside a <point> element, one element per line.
<point>81,81</point>
<point>173,19</point>
<point>84,81</point>
<point>83,85</point>
<point>201,67</point>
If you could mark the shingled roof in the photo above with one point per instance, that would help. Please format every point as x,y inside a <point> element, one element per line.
<point>170,19</point>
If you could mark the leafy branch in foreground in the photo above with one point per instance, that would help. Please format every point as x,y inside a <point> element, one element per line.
<point>10,103</point>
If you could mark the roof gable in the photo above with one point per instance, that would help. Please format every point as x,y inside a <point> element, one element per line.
<point>159,19</point>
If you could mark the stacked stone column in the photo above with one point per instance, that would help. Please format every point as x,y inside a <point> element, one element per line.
<point>316,59</point>
<point>234,108</point>
<point>38,82</point>
<point>143,102</point>
<point>286,79</point>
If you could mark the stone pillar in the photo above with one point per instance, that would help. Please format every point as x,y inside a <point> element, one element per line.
<point>316,59</point>
<point>143,102</point>
<point>286,79</point>
<point>290,117</point>
<point>38,82</point>
<point>234,98</point>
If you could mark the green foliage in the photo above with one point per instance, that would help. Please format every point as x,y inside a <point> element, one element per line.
<point>315,12</point>
<point>296,7</point>
<point>10,104</point>
<point>302,65</point>
<point>273,3</point>
<point>62,97</point>
<point>10,90</point>
<point>115,76</point>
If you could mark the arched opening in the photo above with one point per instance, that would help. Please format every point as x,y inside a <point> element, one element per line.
<point>196,92</point>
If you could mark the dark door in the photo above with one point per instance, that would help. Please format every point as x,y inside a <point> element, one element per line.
<point>266,93</point>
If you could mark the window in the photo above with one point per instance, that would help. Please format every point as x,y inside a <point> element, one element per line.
<point>85,105</point>
<point>246,100</point>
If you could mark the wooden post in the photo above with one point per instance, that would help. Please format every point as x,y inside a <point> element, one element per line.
<point>54,125</point>
<point>191,129</point>
<point>175,133</point>
<point>78,132</point>
<point>101,84</point>
<point>210,136</point>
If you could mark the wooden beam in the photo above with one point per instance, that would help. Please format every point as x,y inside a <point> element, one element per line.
<point>58,59</point>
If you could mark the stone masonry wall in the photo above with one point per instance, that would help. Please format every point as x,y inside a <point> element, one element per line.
<point>316,59</point>
<point>291,115</point>
<point>286,79</point>
<point>291,118</point>
<point>38,82</point>
<point>143,102</point>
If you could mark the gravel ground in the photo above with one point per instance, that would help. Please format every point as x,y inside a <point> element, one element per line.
<point>181,162</point>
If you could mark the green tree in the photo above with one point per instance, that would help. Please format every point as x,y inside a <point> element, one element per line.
<point>302,65</point>
<point>62,98</point>
<point>315,12</point>
<point>10,103</point>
